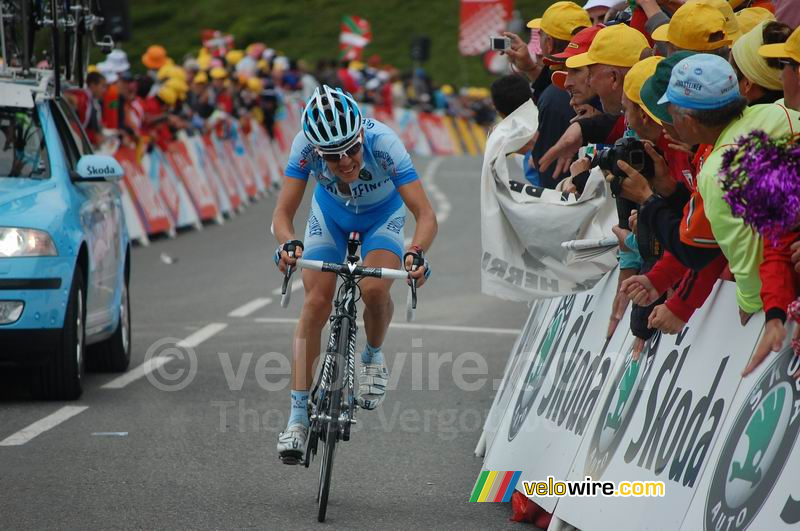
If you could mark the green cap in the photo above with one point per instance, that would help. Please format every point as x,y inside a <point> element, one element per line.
<point>656,86</point>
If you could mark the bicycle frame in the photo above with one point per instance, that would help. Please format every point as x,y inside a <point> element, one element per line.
<point>331,413</point>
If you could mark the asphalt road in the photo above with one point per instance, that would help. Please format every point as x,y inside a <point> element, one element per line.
<point>133,454</point>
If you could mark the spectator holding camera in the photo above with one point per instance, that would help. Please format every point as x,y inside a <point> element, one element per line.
<point>556,27</point>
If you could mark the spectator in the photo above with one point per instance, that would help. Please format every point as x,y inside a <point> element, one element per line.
<point>695,27</point>
<point>758,81</point>
<point>597,10</point>
<point>556,27</point>
<point>709,109</point>
<point>508,94</point>
<point>96,83</point>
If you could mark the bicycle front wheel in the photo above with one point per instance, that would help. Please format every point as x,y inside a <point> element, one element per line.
<point>333,410</point>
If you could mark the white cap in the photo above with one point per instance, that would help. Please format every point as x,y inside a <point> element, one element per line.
<point>599,3</point>
<point>109,71</point>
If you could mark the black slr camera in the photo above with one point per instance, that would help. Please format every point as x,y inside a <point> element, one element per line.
<point>631,150</point>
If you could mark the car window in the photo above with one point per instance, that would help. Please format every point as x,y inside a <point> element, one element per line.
<point>78,134</point>
<point>67,137</point>
<point>23,152</point>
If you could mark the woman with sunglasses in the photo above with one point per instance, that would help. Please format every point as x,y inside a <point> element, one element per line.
<point>365,180</point>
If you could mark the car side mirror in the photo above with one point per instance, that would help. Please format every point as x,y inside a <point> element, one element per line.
<point>99,168</point>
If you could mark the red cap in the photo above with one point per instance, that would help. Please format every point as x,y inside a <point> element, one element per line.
<point>579,44</point>
<point>558,78</point>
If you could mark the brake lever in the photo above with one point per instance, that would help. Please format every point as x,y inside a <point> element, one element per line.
<point>286,290</point>
<point>411,301</point>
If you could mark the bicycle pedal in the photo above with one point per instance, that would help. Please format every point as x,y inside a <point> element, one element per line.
<point>293,458</point>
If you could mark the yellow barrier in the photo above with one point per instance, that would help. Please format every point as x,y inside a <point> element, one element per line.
<point>451,128</point>
<point>466,136</point>
<point>479,134</point>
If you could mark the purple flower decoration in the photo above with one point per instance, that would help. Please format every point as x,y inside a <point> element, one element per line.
<point>761,180</point>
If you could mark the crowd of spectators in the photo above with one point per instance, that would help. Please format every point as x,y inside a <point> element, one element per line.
<point>217,86</point>
<point>699,101</point>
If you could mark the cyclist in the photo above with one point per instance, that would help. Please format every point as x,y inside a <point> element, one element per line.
<point>365,181</point>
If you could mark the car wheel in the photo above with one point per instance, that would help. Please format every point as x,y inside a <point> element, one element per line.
<point>114,354</point>
<point>61,378</point>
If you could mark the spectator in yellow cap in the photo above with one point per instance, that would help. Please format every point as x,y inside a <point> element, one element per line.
<point>556,27</point>
<point>636,114</point>
<point>788,56</point>
<point>731,24</point>
<point>613,52</point>
<point>695,27</point>
<point>222,95</point>
<point>749,17</point>
<point>759,81</point>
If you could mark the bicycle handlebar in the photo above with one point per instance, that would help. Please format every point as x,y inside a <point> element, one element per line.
<point>355,271</point>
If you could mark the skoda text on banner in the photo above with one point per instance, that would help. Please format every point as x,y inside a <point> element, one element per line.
<point>662,418</point>
<point>564,380</point>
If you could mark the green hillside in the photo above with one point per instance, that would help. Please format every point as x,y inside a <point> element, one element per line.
<point>310,29</point>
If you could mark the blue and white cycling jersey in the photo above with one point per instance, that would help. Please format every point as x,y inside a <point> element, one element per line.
<point>374,206</point>
<point>386,166</point>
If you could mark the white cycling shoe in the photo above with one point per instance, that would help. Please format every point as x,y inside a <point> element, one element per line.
<point>372,382</point>
<point>292,444</point>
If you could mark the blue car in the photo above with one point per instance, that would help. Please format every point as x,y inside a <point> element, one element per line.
<point>64,246</point>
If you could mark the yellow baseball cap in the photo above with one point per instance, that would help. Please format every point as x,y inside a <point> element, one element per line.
<point>617,45</point>
<point>200,78</point>
<point>749,18</point>
<point>218,73</point>
<point>167,95</point>
<point>637,75</point>
<point>255,84</point>
<point>561,19</point>
<point>731,24</point>
<point>692,27</point>
<point>784,50</point>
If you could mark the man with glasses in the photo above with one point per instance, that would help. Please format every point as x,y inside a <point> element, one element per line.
<point>365,181</point>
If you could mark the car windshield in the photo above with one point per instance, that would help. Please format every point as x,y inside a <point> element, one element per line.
<point>22,147</point>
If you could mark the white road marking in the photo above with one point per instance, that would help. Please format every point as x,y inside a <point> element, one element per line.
<point>412,326</point>
<point>250,307</point>
<point>158,361</point>
<point>201,335</point>
<point>42,425</point>
<point>297,284</point>
<point>134,374</point>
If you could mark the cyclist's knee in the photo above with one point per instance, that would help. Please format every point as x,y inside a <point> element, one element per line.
<point>375,294</point>
<point>317,307</point>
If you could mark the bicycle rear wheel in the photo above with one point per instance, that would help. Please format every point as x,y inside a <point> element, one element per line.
<point>333,410</point>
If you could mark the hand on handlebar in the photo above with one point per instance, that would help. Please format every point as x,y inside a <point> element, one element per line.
<point>417,266</point>
<point>286,255</point>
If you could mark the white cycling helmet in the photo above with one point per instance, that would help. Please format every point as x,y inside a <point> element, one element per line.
<point>331,119</point>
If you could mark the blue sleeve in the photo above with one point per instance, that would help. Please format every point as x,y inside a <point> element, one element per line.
<point>631,259</point>
<point>299,165</point>
<point>391,154</point>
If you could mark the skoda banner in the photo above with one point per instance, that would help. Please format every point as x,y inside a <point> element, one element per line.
<point>558,389</point>
<point>662,418</point>
<point>753,481</point>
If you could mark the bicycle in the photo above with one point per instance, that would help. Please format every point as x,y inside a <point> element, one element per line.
<point>332,403</point>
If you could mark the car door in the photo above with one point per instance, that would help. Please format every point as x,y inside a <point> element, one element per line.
<point>100,212</point>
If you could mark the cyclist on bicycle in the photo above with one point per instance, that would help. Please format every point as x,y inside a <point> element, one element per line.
<point>365,180</point>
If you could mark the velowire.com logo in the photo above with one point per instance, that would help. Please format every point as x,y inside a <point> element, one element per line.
<point>756,449</point>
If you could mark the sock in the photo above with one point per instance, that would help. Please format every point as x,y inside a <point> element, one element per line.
<point>299,411</point>
<point>371,354</point>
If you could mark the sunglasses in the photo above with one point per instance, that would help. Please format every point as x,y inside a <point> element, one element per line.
<point>350,152</point>
<point>788,62</point>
